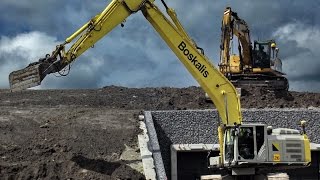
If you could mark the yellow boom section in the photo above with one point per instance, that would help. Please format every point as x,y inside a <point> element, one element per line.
<point>225,41</point>
<point>220,90</point>
<point>114,14</point>
<point>233,25</point>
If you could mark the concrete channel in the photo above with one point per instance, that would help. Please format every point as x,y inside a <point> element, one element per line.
<point>193,133</point>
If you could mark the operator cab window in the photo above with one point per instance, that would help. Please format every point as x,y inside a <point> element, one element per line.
<point>261,56</point>
<point>229,145</point>
<point>246,143</point>
<point>259,136</point>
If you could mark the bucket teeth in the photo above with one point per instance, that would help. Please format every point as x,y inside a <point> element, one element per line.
<point>25,78</point>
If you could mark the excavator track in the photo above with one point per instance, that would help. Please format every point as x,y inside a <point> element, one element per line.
<point>269,82</point>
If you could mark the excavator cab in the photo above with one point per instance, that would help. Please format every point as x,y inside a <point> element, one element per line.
<point>252,147</point>
<point>242,144</point>
<point>262,54</point>
<point>265,55</point>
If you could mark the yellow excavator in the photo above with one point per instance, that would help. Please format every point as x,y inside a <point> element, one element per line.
<point>255,66</point>
<point>245,148</point>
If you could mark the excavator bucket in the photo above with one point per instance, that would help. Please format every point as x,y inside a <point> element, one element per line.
<point>33,74</point>
<point>25,78</point>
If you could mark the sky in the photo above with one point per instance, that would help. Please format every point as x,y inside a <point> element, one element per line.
<point>135,56</point>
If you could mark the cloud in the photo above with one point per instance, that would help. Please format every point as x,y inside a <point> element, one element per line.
<point>105,64</point>
<point>17,52</point>
<point>301,55</point>
<point>131,56</point>
<point>135,55</point>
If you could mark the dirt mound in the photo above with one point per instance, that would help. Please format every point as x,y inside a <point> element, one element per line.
<point>260,98</point>
<point>66,143</point>
<point>83,134</point>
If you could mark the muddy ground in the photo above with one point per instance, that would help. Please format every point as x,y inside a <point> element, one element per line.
<point>92,134</point>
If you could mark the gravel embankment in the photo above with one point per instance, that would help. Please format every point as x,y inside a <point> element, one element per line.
<point>193,127</point>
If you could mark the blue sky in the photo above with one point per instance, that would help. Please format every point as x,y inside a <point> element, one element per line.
<point>135,56</point>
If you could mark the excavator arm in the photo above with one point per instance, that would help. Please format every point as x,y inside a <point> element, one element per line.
<point>115,13</point>
<point>233,25</point>
<point>211,80</point>
<point>221,91</point>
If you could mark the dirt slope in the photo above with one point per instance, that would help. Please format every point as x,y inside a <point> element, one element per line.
<point>92,134</point>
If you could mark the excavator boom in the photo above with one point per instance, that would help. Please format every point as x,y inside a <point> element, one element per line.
<point>221,91</point>
<point>211,80</point>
